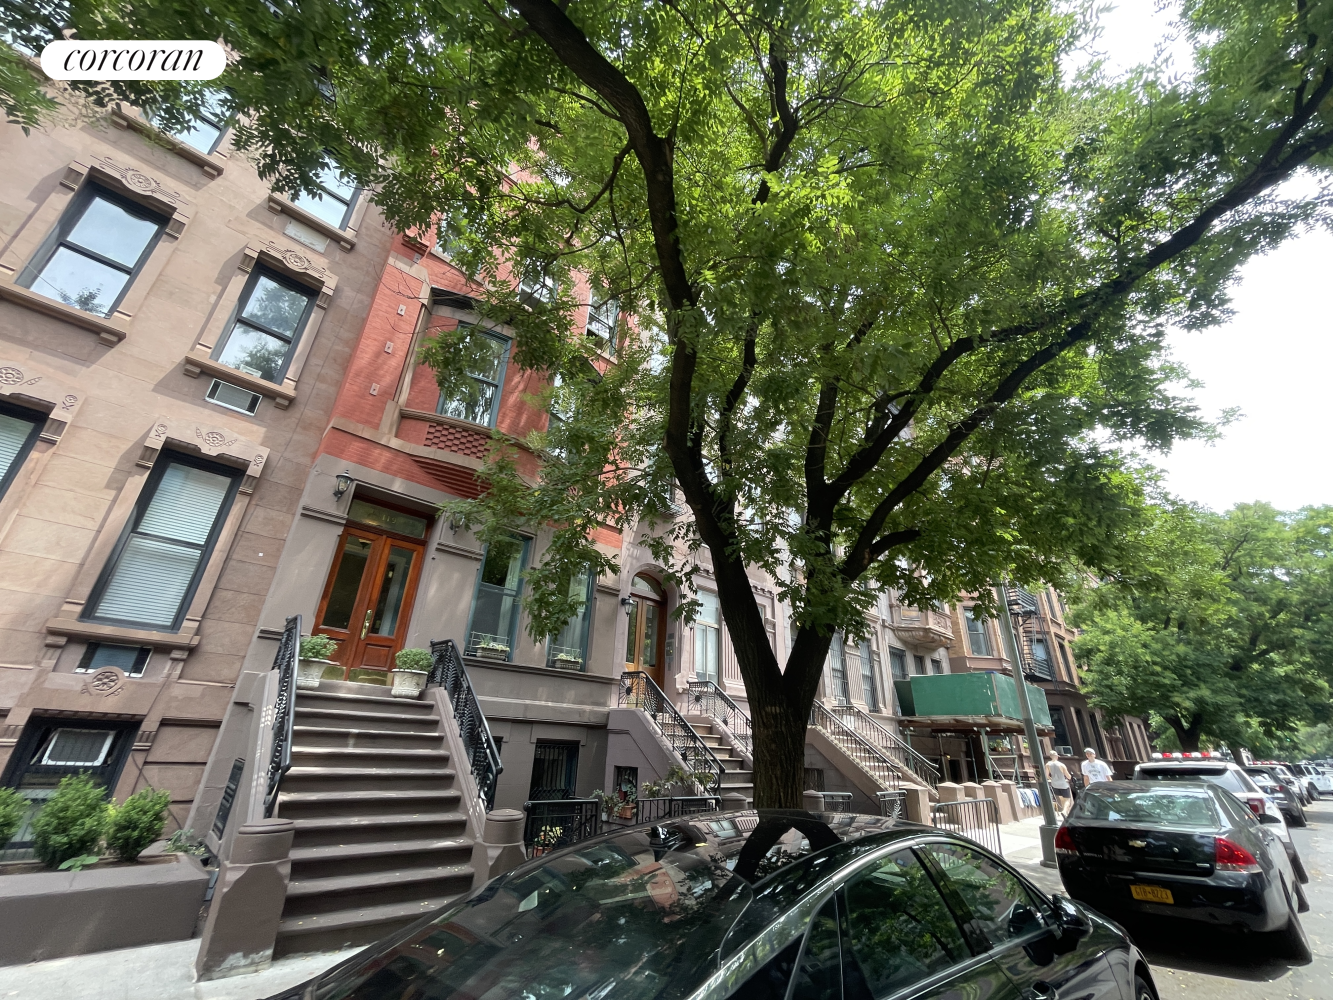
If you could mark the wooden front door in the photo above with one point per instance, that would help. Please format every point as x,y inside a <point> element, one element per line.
<point>645,643</point>
<point>367,601</point>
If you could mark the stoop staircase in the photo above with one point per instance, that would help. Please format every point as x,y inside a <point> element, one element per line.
<point>381,831</point>
<point>736,778</point>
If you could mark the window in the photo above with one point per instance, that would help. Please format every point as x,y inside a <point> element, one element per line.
<point>819,976</point>
<point>899,931</point>
<point>555,770</point>
<point>495,607</point>
<point>870,672</point>
<point>334,198</point>
<point>131,659</point>
<point>898,663</point>
<point>155,568</point>
<point>936,665</point>
<point>482,402</point>
<point>96,250</point>
<point>918,665</point>
<point>1069,668</point>
<point>838,672</point>
<point>18,433</point>
<point>998,904</point>
<point>707,638</point>
<point>1041,659</point>
<point>978,638</point>
<point>207,128</point>
<point>77,747</point>
<point>1061,731</point>
<point>267,325</point>
<point>603,317</point>
<point>536,285</point>
<point>568,648</point>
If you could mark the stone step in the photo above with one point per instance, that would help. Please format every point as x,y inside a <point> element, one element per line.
<point>334,860</point>
<point>737,777</point>
<point>350,927</point>
<point>319,804</point>
<point>351,757</point>
<point>344,718</point>
<point>349,738</point>
<point>307,897</point>
<point>363,703</point>
<point>367,779</point>
<point>372,828</point>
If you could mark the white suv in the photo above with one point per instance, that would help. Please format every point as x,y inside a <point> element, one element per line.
<point>1316,777</point>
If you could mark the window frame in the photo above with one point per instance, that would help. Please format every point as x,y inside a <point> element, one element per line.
<point>587,630</point>
<point>141,660</point>
<point>293,342</point>
<point>979,632</point>
<point>350,201</point>
<point>526,543</point>
<point>38,420</point>
<point>901,655</point>
<point>606,341</point>
<point>223,125</point>
<point>494,416</point>
<point>700,638</point>
<point>70,217</point>
<point>146,495</point>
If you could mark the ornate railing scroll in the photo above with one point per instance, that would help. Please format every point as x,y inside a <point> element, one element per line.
<point>867,756</point>
<point>653,810</point>
<point>708,699</point>
<point>637,690</point>
<point>280,755</point>
<point>893,746</point>
<point>447,670</point>
<point>551,824</point>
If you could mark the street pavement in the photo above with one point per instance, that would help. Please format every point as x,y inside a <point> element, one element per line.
<point>1210,966</point>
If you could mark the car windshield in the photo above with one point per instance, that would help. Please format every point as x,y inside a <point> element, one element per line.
<point>1165,806</point>
<point>640,915</point>
<point>1222,777</point>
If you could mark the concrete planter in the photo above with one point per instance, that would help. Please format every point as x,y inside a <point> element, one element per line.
<point>308,672</point>
<point>408,683</point>
<point>493,652</point>
<point>54,914</point>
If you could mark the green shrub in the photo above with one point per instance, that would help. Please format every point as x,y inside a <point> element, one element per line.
<point>71,823</point>
<point>412,659</point>
<point>13,807</point>
<point>317,647</point>
<point>137,823</point>
<point>185,842</point>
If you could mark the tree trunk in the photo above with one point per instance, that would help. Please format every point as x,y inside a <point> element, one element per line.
<point>1188,735</point>
<point>779,755</point>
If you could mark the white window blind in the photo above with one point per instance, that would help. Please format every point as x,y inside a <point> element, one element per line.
<point>159,561</point>
<point>13,434</point>
<point>706,638</point>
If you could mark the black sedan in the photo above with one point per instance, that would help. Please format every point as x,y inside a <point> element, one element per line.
<point>756,906</point>
<point>1290,802</point>
<point>1182,851</point>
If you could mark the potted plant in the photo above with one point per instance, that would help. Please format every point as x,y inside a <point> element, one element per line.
<point>567,661</point>
<point>492,650</point>
<point>609,801</point>
<point>627,803</point>
<point>315,654</point>
<point>411,668</point>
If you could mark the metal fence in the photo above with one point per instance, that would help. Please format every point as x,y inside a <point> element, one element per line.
<point>483,753</point>
<point>556,823</point>
<point>651,810</point>
<point>284,711</point>
<point>976,819</point>
<point>638,690</point>
<point>893,804</point>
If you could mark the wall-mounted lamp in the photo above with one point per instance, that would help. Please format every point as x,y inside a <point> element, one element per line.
<point>342,482</point>
<point>627,604</point>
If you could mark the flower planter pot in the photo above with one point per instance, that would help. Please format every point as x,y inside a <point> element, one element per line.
<point>408,683</point>
<point>308,672</point>
<point>626,811</point>
<point>53,914</point>
<point>493,652</point>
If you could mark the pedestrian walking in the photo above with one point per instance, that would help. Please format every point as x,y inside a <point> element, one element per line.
<point>1058,775</point>
<point>1095,769</point>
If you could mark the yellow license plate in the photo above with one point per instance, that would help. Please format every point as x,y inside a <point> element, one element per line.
<point>1151,894</point>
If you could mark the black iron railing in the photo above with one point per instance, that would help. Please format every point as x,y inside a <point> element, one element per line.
<point>894,747</point>
<point>637,690</point>
<point>556,823</point>
<point>865,754</point>
<point>448,672</point>
<point>280,756</point>
<point>976,819</point>
<point>655,809</point>
<point>892,804</point>
<point>708,699</point>
<point>836,802</point>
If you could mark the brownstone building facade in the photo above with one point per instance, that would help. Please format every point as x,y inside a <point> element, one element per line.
<point>173,334</point>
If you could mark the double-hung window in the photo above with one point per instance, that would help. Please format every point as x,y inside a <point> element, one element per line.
<point>1041,659</point>
<point>978,639</point>
<point>898,663</point>
<point>495,606</point>
<point>707,638</point>
<point>205,130</point>
<point>97,248</point>
<point>333,200</point>
<point>155,568</point>
<point>481,402</point>
<point>603,317</point>
<point>568,648</point>
<point>268,322</point>
<point>870,674</point>
<point>18,433</point>
<point>536,285</point>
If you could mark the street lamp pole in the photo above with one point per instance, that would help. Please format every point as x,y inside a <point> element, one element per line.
<point>1049,825</point>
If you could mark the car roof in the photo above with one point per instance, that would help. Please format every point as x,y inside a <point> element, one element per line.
<point>1203,765</point>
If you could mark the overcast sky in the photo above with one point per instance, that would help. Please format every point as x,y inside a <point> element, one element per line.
<point>1273,360</point>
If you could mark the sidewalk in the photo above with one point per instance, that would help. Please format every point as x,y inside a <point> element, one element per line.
<point>1021,845</point>
<point>153,972</point>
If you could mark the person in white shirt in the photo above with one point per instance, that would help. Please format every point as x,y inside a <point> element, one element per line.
<point>1094,769</point>
<point>1058,775</point>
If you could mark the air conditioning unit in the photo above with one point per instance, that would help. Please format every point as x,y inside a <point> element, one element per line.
<point>1065,751</point>
<point>233,397</point>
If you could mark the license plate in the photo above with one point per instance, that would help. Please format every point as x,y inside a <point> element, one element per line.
<point>1151,894</point>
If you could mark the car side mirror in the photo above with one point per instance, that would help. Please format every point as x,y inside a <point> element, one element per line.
<point>1070,923</point>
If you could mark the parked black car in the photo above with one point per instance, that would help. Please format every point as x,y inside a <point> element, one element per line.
<point>1290,802</point>
<point>1183,851</point>
<point>754,906</point>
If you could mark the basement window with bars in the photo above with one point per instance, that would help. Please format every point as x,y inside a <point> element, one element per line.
<point>156,565</point>
<point>555,769</point>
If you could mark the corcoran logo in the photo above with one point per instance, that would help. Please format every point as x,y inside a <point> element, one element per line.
<point>77,59</point>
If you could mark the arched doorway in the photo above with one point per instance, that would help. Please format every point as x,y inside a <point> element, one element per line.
<point>645,642</point>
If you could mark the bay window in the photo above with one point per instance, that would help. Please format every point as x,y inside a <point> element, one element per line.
<point>269,318</point>
<point>156,565</point>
